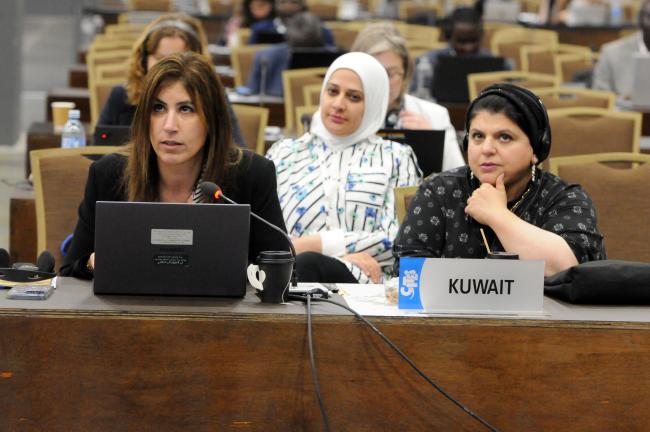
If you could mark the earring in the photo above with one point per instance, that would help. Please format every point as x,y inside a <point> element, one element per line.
<point>533,170</point>
<point>471,175</point>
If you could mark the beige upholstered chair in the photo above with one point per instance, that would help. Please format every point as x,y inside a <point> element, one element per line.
<point>311,95</point>
<point>151,5</point>
<point>104,58</point>
<point>344,37</point>
<point>325,9</point>
<point>409,9</point>
<point>59,181</point>
<point>252,122</point>
<point>568,65</point>
<point>621,197</point>
<point>569,97</point>
<point>293,82</point>
<point>300,111</point>
<point>478,81</point>
<point>241,59</point>
<point>541,58</point>
<point>577,131</point>
<point>507,42</point>
<point>403,197</point>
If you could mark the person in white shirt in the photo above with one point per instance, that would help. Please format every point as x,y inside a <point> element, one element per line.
<point>384,42</point>
<point>335,183</point>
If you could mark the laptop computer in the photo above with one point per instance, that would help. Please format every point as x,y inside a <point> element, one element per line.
<point>302,58</point>
<point>428,146</point>
<point>111,135</point>
<point>641,80</point>
<point>450,75</point>
<point>171,249</point>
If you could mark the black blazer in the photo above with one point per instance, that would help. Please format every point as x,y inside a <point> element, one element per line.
<point>118,111</point>
<point>252,182</point>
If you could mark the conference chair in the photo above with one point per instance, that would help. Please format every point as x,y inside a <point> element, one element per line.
<point>111,44</point>
<point>415,33</point>
<point>568,66</point>
<point>343,36</point>
<point>125,27</point>
<point>223,8</point>
<point>410,9</point>
<point>571,97</point>
<point>241,59</point>
<point>151,5</point>
<point>507,42</point>
<point>93,61</point>
<point>478,81</point>
<point>311,95</point>
<point>403,197</point>
<point>243,34</point>
<point>325,10</point>
<point>490,28</point>
<point>252,122</point>
<point>305,110</point>
<point>99,91</point>
<point>293,81</point>
<point>621,197</point>
<point>59,177</point>
<point>541,58</point>
<point>583,130</point>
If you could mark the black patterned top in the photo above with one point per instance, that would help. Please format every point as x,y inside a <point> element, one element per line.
<point>436,224</point>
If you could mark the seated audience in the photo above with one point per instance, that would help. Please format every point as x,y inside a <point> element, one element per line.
<point>464,31</point>
<point>304,30</point>
<point>614,70</point>
<point>181,135</point>
<point>520,208</point>
<point>405,111</point>
<point>167,34</point>
<point>250,12</point>
<point>335,183</point>
<point>285,9</point>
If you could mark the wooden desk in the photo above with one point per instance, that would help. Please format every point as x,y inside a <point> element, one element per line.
<point>22,224</point>
<point>592,36</point>
<point>81,362</point>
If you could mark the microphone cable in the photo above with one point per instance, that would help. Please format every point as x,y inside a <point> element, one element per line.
<point>308,297</point>
<point>312,361</point>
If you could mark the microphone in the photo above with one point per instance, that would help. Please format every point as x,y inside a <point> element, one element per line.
<point>305,119</point>
<point>213,191</point>
<point>264,63</point>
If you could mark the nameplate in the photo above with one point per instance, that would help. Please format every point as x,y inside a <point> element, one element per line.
<point>455,285</point>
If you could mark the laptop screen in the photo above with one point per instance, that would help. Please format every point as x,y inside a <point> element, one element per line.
<point>428,146</point>
<point>171,249</point>
<point>450,75</point>
<point>111,135</point>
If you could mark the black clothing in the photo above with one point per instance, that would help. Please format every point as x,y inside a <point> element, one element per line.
<point>316,267</point>
<point>252,182</point>
<point>436,224</point>
<point>118,111</point>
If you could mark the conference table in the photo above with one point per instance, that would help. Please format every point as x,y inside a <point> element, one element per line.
<point>82,362</point>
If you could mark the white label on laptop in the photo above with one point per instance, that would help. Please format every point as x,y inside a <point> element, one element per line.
<point>471,285</point>
<point>172,237</point>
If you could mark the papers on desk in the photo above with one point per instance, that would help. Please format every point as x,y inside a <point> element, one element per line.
<point>370,300</point>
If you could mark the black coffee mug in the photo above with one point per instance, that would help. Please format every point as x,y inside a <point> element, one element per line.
<point>271,275</point>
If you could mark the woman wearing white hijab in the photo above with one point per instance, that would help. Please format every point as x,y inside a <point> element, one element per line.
<point>335,183</point>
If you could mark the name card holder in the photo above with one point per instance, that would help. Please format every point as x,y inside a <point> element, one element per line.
<point>471,286</point>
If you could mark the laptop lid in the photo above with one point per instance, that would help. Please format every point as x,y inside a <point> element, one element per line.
<point>450,75</point>
<point>171,249</point>
<point>111,135</point>
<point>302,58</point>
<point>428,146</point>
<point>641,73</point>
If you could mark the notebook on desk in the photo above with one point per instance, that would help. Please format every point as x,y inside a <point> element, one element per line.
<point>171,249</point>
<point>428,146</point>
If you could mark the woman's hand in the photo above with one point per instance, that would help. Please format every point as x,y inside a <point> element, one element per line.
<point>411,120</point>
<point>90,264</point>
<point>488,202</point>
<point>310,243</point>
<point>366,263</point>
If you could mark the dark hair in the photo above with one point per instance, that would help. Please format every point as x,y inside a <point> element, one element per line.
<point>466,15</point>
<point>496,104</point>
<point>305,30</point>
<point>200,80</point>
<point>247,17</point>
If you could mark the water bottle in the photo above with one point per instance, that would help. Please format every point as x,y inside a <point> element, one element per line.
<point>73,134</point>
<point>424,75</point>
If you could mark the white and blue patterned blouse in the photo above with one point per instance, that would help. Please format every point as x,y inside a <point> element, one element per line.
<point>345,195</point>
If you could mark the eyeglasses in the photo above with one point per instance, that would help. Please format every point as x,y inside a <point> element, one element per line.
<point>394,74</point>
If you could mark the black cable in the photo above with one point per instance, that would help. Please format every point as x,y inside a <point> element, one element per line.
<point>314,370</point>
<point>397,350</point>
